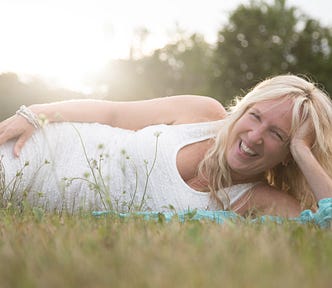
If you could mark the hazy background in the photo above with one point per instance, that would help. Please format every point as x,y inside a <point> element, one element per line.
<point>59,49</point>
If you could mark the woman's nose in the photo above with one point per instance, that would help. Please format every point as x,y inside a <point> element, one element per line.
<point>255,136</point>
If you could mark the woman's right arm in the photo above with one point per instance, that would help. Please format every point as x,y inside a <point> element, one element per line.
<point>132,115</point>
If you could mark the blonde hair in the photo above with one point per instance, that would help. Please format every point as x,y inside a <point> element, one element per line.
<point>308,101</point>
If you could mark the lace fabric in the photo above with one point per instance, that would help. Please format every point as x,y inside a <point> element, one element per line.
<point>99,167</point>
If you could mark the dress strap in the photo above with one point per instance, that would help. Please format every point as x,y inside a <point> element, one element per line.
<point>195,132</point>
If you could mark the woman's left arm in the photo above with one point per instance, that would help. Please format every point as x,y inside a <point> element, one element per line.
<point>300,146</point>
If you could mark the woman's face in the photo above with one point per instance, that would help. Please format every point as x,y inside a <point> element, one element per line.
<point>259,139</point>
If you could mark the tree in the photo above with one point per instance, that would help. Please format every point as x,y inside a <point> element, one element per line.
<point>13,93</point>
<point>312,53</point>
<point>261,40</point>
<point>183,66</point>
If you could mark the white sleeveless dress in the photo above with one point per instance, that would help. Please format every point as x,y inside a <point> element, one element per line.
<point>81,166</point>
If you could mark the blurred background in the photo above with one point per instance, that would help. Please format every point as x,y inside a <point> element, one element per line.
<point>127,50</point>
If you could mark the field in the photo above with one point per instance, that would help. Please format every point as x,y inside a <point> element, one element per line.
<point>47,250</point>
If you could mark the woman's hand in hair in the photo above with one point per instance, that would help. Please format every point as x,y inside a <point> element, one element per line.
<point>317,177</point>
<point>304,136</point>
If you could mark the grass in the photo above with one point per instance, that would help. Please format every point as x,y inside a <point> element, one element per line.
<point>39,249</point>
<point>48,250</point>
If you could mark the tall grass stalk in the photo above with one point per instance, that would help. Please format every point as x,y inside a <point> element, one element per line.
<point>149,171</point>
<point>97,187</point>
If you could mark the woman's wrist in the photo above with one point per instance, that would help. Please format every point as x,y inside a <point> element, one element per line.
<point>298,148</point>
<point>44,113</point>
<point>29,115</point>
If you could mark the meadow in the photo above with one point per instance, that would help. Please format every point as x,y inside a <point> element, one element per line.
<point>52,250</point>
<point>45,249</point>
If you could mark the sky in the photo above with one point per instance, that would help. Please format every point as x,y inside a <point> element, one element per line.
<point>66,42</point>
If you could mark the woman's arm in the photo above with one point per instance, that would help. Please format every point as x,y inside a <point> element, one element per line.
<point>133,115</point>
<point>129,115</point>
<point>300,147</point>
<point>319,181</point>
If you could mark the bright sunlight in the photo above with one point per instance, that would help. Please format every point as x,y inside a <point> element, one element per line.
<point>67,42</point>
<point>61,41</point>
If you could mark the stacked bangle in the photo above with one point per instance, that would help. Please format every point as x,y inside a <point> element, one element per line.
<point>29,116</point>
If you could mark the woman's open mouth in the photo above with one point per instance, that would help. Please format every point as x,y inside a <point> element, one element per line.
<point>245,149</point>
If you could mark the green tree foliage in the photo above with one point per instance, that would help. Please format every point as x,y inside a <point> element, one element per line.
<point>186,67</point>
<point>13,93</point>
<point>312,53</point>
<point>182,67</point>
<point>261,40</point>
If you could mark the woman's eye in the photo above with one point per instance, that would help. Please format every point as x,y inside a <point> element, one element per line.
<point>278,135</point>
<point>254,115</point>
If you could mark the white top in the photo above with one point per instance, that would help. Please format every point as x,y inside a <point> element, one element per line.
<point>94,166</point>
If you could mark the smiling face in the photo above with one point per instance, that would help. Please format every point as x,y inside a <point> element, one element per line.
<point>259,139</point>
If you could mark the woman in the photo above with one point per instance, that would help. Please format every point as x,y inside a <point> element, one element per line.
<point>271,152</point>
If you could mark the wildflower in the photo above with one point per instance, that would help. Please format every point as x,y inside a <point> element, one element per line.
<point>157,133</point>
<point>42,119</point>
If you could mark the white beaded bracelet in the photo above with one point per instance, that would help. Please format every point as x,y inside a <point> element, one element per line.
<point>29,116</point>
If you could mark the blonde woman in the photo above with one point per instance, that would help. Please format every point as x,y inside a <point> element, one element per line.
<point>270,152</point>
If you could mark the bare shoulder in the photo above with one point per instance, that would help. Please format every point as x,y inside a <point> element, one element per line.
<point>195,108</point>
<point>270,201</point>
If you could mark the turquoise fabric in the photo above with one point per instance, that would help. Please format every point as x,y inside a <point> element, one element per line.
<point>321,218</point>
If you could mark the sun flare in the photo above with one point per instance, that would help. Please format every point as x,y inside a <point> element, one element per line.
<point>67,42</point>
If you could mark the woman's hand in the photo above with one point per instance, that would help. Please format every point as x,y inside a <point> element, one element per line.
<point>303,137</point>
<point>16,127</point>
<point>301,148</point>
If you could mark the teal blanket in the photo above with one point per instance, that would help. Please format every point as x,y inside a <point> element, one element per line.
<point>322,217</point>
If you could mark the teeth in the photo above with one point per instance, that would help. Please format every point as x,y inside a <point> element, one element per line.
<point>247,150</point>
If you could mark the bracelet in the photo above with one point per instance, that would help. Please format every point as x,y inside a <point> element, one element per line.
<point>29,116</point>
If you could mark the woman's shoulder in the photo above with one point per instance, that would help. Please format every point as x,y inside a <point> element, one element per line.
<point>270,200</point>
<point>198,108</point>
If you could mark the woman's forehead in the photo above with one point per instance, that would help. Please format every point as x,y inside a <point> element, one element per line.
<point>276,113</point>
<point>278,106</point>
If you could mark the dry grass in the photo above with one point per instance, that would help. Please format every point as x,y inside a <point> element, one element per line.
<point>38,250</point>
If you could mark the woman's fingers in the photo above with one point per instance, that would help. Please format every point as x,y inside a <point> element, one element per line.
<point>8,133</point>
<point>15,127</point>
<point>305,133</point>
<point>20,143</point>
